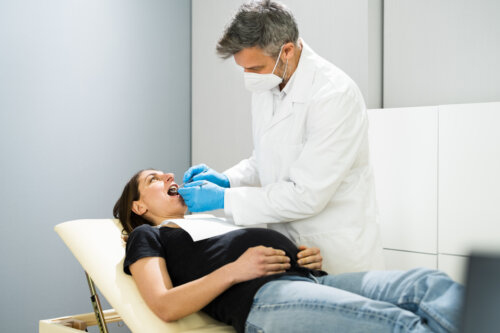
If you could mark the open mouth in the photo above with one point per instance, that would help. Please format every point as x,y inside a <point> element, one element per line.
<point>172,191</point>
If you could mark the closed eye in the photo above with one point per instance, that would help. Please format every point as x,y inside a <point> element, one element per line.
<point>255,68</point>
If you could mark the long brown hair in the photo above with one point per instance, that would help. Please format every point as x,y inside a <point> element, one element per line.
<point>123,207</point>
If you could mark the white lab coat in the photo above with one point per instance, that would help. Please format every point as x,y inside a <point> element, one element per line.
<point>309,176</point>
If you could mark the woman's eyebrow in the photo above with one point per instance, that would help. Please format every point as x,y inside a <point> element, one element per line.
<point>151,174</point>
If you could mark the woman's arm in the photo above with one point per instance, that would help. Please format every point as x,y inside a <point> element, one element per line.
<point>172,303</point>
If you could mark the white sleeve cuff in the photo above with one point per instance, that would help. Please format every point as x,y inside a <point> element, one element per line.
<point>231,176</point>
<point>227,205</point>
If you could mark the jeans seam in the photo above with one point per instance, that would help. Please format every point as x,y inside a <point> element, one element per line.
<point>422,306</point>
<point>254,327</point>
<point>438,318</point>
<point>301,303</point>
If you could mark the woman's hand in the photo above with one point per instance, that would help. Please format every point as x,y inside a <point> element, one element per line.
<point>309,257</point>
<point>257,262</point>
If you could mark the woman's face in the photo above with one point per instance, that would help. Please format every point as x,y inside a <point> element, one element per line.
<point>155,204</point>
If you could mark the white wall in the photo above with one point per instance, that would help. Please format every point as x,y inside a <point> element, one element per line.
<point>346,32</point>
<point>90,92</point>
<point>434,52</point>
<point>221,130</point>
<point>441,52</point>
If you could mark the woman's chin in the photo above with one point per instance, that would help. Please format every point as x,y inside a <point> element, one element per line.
<point>184,207</point>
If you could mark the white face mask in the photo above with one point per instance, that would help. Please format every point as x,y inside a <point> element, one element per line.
<point>261,82</point>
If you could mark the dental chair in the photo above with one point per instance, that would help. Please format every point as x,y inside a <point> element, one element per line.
<point>98,247</point>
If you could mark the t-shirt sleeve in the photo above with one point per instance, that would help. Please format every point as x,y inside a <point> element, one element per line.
<point>143,241</point>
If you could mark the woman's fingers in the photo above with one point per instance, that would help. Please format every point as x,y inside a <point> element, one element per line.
<point>277,268</point>
<point>269,251</point>
<point>313,262</point>
<point>273,260</point>
<point>310,257</point>
<point>307,251</point>
<point>276,259</point>
<point>314,265</point>
<point>259,261</point>
<point>273,256</point>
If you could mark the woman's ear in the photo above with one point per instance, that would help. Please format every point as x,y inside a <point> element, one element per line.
<point>138,208</point>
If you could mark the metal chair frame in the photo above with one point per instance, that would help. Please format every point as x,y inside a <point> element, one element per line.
<point>96,304</point>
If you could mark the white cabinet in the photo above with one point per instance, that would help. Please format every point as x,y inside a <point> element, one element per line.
<point>437,177</point>
<point>403,146</point>
<point>403,260</point>
<point>469,177</point>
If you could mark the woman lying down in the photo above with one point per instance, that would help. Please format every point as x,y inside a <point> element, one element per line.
<point>251,278</point>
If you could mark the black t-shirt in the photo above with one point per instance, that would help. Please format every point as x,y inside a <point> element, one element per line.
<point>188,260</point>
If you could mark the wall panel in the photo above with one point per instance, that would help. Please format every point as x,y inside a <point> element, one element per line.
<point>403,260</point>
<point>441,52</point>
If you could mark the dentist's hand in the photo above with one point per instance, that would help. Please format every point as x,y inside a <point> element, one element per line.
<point>201,196</point>
<point>203,172</point>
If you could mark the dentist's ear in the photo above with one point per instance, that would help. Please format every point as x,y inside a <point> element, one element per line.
<point>288,50</point>
<point>138,208</point>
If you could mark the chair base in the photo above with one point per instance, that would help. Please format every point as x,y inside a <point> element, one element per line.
<point>58,325</point>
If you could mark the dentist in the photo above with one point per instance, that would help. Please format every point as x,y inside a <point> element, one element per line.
<point>309,175</point>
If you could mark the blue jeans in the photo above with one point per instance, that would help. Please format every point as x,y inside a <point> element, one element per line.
<point>419,300</point>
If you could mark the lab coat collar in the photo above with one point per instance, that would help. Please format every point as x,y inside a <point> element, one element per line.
<point>288,87</point>
<point>301,81</point>
<point>299,88</point>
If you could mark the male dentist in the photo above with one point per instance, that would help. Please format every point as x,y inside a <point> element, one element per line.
<point>309,175</point>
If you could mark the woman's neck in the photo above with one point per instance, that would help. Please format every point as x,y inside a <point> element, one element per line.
<point>157,220</point>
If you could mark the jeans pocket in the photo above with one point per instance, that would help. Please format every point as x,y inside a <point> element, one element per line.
<point>251,328</point>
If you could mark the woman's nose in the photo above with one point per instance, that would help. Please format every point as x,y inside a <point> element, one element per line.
<point>168,177</point>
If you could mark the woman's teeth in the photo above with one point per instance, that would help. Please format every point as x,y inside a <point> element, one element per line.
<point>172,191</point>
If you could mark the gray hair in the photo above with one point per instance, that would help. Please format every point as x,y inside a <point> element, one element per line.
<point>266,24</point>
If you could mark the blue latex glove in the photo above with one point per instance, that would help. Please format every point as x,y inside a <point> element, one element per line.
<point>203,172</point>
<point>202,195</point>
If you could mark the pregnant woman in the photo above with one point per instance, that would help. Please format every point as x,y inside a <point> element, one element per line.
<point>251,278</point>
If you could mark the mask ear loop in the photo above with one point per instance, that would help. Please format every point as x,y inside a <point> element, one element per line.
<point>286,67</point>
<point>278,60</point>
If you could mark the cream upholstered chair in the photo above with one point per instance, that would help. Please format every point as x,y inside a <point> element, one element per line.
<point>98,247</point>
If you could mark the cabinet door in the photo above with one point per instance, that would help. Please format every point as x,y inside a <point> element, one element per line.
<point>454,266</point>
<point>402,260</point>
<point>403,145</point>
<point>469,177</point>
